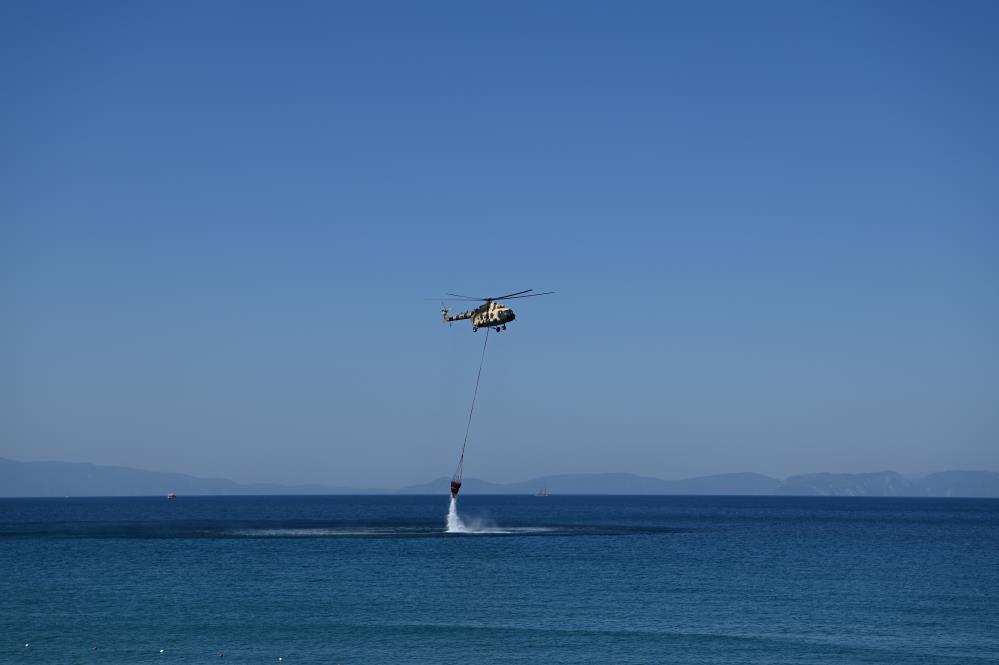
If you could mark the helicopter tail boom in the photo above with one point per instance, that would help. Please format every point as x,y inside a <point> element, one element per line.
<point>461,316</point>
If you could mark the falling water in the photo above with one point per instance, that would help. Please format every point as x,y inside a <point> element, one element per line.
<point>454,523</point>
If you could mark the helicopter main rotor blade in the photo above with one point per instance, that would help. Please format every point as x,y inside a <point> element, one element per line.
<point>533,295</point>
<point>510,295</point>
<point>458,295</point>
<point>526,293</point>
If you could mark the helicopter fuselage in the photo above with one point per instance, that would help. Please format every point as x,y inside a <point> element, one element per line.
<point>488,315</point>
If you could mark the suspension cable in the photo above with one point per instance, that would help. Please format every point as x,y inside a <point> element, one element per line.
<point>475,393</point>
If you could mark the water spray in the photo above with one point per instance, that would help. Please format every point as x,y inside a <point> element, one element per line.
<point>454,523</point>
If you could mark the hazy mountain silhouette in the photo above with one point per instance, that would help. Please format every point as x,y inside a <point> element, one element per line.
<point>882,483</point>
<point>613,483</point>
<point>889,483</point>
<point>37,479</point>
<point>41,479</point>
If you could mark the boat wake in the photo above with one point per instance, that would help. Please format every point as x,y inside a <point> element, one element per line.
<point>459,526</point>
<point>322,532</point>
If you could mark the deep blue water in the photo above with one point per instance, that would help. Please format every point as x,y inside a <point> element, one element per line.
<point>568,580</point>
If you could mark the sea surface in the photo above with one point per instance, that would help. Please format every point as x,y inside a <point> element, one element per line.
<point>558,579</point>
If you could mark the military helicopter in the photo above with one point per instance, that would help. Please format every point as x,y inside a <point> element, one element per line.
<point>490,314</point>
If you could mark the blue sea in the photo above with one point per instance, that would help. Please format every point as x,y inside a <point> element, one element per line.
<point>558,579</point>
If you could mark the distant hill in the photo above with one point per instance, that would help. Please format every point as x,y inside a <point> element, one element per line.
<point>41,479</point>
<point>888,483</point>
<point>612,483</point>
<point>960,484</point>
<point>38,479</point>
<point>882,483</point>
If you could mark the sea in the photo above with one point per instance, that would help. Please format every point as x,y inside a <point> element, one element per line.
<point>517,579</point>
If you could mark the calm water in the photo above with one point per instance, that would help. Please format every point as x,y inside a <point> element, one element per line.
<point>555,580</point>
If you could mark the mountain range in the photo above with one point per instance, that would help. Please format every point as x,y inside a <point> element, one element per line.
<point>44,479</point>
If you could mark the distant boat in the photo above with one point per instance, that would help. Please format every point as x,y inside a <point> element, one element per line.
<point>542,492</point>
<point>172,495</point>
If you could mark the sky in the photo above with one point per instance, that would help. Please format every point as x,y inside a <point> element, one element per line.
<point>772,229</point>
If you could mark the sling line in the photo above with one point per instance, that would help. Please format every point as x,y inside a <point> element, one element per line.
<point>475,393</point>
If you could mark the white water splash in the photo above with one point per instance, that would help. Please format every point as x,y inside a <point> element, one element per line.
<point>478,526</point>
<point>454,523</point>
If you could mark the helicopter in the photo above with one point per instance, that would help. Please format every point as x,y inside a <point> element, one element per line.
<point>490,314</point>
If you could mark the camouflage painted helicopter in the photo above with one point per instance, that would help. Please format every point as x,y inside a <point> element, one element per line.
<point>490,314</point>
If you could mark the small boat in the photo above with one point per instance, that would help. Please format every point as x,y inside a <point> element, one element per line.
<point>542,492</point>
<point>172,495</point>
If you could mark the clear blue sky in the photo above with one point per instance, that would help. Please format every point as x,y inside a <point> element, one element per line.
<point>772,228</point>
